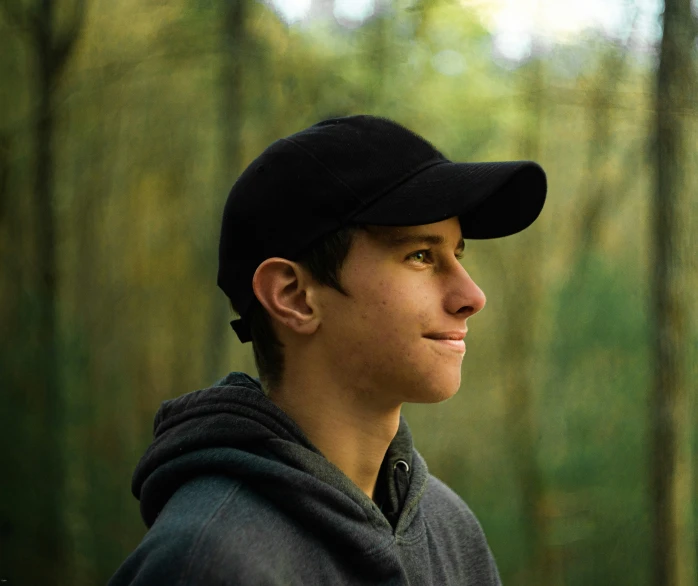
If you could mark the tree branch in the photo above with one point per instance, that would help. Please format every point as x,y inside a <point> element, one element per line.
<point>65,41</point>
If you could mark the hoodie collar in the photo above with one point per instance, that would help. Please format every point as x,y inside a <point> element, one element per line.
<point>233,429</point>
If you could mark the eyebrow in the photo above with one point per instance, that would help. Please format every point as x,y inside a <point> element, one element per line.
<point>433,239</point>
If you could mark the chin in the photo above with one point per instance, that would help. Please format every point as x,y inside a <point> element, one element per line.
<point>435,391</point>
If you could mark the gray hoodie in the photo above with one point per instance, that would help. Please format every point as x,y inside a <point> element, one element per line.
<point>233,493</point>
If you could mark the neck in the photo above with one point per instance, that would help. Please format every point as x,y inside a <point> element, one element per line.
<point>350,429</point>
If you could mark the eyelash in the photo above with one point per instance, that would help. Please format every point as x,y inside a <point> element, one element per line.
<point>427,253</point>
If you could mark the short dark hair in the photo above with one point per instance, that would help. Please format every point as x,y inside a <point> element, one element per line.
<point>324,259</point>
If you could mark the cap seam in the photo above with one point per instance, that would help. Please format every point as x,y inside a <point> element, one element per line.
<point>325,167</point>
<point>420,168</point>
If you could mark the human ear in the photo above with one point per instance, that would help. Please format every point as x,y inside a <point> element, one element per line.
<point>285,290</point>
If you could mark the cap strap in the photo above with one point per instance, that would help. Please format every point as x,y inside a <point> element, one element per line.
<point>242,329</point>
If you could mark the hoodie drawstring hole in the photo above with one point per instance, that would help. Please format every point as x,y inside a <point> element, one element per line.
<point>402,464</point>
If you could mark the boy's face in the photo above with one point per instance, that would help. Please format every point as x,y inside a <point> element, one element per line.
<point>406,288</point>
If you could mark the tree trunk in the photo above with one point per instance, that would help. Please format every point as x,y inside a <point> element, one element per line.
<point>43,559</point>
<point>48,401</point>
<point>519,352</point>
<point>671,467</point>
<point>599,152</point>
<point>233,44</point>
<point>377,59</point>
<point>600,194</point>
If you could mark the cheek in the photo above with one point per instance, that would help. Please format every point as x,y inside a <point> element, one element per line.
<point>394,316</point>
<point>375,341</point>
<point>384,315</point>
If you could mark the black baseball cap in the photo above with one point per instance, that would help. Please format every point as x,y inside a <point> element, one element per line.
<point>361,170</point>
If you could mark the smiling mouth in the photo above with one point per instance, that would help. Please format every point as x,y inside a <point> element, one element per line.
<point>453,340</point>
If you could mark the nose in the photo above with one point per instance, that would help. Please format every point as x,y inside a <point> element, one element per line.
<point>464,297</point>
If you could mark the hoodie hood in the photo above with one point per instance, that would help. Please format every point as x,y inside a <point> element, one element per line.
<point>233,429</point>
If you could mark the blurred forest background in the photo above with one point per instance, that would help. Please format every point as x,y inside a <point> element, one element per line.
<point>123,126</point>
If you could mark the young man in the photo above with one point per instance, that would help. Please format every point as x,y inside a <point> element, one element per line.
<point>340,250</point>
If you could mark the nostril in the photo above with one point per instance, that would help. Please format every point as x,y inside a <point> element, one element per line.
<point>466,310</point>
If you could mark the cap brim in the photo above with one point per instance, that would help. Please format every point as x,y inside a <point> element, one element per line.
<point>490,199</point>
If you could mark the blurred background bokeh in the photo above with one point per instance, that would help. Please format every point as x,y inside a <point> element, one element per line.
<point>123,125</point>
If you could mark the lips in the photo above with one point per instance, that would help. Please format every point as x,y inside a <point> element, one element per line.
<point>453,339</point>
<point>452,335</point>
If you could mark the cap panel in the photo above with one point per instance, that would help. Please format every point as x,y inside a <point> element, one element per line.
<point>282,202</point>
<point>368,154</point>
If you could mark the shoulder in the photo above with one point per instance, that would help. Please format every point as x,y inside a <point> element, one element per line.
<point>206,534</point>
<point>455,530</point>
<point>441,501</point>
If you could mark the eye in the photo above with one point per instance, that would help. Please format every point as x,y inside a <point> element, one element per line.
<point>420,256</point>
